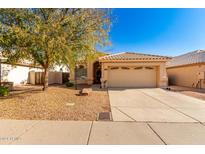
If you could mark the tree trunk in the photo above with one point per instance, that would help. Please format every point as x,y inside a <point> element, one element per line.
<point>75,77</point>
<point>45,81</point>
<point>0,71</point>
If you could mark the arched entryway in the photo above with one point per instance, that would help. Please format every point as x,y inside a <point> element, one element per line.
<point>96,72</point>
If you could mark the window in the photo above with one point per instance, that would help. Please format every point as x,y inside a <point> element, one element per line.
<point>114,68</point>
<point>125,68</point>
<point>81,72</point>
<point>149,68</point>
<point>138,68</point>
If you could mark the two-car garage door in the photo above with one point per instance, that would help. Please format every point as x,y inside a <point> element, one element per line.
<point>132,77</point>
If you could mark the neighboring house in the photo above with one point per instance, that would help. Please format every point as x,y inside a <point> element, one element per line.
<point>126,70</point>
<point>18,74</point>
<point>26,73</point>
<point>187,69</point>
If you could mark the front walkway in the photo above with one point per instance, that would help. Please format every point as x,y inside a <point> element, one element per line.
<point>85,132</point>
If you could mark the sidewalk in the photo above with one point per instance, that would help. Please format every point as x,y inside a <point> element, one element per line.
<point>85,132</point>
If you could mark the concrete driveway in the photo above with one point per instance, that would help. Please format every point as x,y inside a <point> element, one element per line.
<point>155,105</point>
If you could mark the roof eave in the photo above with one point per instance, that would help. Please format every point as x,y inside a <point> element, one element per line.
<point>184,65</point>
<point>134,60</point>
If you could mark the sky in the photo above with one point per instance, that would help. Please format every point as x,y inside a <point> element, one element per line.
<point>168,32</point>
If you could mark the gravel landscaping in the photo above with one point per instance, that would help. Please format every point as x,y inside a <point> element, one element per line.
<point>57,103</point>
<point>193,92</point>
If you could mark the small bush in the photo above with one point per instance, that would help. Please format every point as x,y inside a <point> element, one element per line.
<point>69,84</point>
<point>4,91</point>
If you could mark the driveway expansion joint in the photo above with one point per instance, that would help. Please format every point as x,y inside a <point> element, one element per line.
<point>90,130</point>
<point>125,114</point>
<point>156,133</point>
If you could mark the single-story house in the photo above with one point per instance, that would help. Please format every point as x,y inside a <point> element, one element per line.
<point>26,73</point>
<point>125,69</point>
<point>18,74</point>
<point>187,70</point>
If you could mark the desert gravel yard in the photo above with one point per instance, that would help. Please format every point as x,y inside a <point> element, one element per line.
<point>57,103</point>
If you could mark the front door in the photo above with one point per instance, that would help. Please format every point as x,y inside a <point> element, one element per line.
<point>96,72</point>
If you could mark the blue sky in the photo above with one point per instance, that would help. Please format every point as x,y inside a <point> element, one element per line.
<point>157,31</point>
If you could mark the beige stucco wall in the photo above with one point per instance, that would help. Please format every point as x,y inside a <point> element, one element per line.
<point>161,73</point>
<point>90,73</point>
<point>53,77</point>
<point>32,77</point>
<point>186,75</point>
<point>162,79</point>
<point>88,80</point>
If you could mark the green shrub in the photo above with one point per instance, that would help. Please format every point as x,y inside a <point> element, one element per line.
<point>69,84</point>
<point>4,91</point>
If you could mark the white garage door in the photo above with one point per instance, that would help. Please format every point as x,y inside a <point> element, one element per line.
<point>139,77</point>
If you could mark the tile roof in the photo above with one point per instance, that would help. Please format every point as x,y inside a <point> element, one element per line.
<point>132,56</point>
<point>194,57</point>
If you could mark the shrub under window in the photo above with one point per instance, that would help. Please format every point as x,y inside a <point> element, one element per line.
<point>69,84</point>
<point>4,91</point>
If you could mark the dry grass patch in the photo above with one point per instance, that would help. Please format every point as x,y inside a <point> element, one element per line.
<point>57,103</point>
